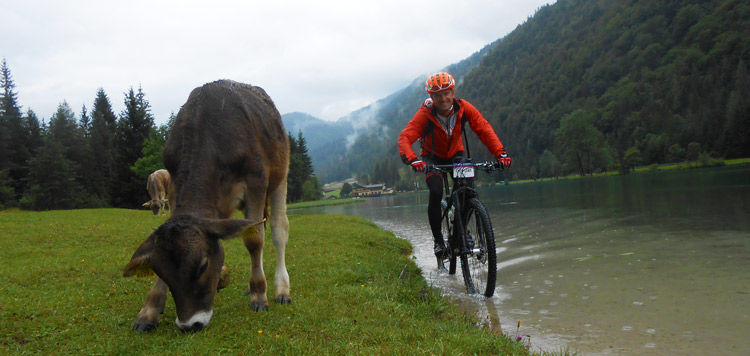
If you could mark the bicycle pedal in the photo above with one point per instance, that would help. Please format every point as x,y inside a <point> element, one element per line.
<point>441,266</point>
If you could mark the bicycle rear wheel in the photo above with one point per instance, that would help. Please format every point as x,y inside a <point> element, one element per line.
<point>480,266</point>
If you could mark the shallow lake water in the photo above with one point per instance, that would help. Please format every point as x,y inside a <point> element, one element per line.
<point>644,264</point>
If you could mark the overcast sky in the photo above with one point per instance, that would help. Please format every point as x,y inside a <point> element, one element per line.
<point>323,57</point>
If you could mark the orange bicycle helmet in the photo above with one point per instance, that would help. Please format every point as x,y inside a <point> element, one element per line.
<point>439,82</point>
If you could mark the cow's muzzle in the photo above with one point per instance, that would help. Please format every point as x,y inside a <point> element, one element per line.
<point>196,323</point>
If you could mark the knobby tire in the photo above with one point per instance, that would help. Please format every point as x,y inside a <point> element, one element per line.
<point>479,270</point>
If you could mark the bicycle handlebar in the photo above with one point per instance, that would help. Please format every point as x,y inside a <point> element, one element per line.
<point>487,166</point>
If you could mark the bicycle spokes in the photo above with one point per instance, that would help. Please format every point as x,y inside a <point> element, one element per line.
<point>479,266</point>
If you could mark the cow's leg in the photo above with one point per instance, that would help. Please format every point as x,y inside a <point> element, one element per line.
<point>280,234</point>
<point>256,288</point>
<point>162,199</point>
<point>148,317</point>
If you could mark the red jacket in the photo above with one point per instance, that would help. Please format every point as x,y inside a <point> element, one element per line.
<point>446,147</point>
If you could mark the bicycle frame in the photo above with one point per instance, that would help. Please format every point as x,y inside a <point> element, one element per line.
<point>470,234</point>
<point>461,192</point>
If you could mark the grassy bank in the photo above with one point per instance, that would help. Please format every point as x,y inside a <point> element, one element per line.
<point>315,203</point>
<point>354,289</point>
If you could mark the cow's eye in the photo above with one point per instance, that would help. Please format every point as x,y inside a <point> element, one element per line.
<point>203,268</point>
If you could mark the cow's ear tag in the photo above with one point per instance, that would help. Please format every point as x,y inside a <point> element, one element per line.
<point>144,270</point>
<point>249,233</point>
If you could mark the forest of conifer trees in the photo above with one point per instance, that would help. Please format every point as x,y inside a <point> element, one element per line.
<point>97,158</point>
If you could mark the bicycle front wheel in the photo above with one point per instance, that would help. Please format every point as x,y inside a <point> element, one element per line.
<point>480,266</point>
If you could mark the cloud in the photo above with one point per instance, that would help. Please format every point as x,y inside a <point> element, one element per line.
<point>325,57</point>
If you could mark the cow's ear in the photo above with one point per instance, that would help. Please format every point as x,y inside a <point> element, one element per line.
<point>226,228</point>
<point>140,263</point>
<point>147,204</point>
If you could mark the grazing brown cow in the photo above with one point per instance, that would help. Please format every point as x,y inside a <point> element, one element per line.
<point>227,150</point>
<point>157,186</point>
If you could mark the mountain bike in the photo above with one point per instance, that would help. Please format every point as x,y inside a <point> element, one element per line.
<point>469,233</point>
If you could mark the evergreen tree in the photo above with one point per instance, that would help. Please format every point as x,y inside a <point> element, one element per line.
<point>102,143</point>
<point>35,132</point>
<point>307,167</point>
<point>85,123</point>
<point>14,153</point>
<point>133,128</point>
<point>5,130</point>
<point>7,193</point>
<point>64,128</point>
<point>300,168</point>
<point>51,179</point>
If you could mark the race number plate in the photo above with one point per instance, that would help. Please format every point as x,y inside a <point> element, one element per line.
<point>463,170</point>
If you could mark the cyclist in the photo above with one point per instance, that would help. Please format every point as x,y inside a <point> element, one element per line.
<point>438,124</point>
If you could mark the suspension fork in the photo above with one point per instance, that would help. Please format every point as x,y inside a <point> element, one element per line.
<point>447,196</point>
<point>460,193</point>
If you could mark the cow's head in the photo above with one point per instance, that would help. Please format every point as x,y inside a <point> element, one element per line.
<point>155,205</point>
<point>185,252</point>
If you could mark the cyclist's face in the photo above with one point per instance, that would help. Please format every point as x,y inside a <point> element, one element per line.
<point>443,101</point>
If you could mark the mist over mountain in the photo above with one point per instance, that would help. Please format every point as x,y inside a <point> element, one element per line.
<point>322,137</point>
<point>649,81</point>
<point>357,141</point>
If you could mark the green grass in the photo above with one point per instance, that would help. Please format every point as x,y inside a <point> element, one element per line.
<point>355,292</point>
<point>314,203</point>
<point>334,193</point>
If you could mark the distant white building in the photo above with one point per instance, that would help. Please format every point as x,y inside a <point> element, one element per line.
<point>371,190</point>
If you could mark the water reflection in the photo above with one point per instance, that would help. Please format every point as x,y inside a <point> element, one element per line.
<point>654,263</point>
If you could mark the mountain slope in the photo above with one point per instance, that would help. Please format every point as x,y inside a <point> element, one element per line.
<point>655,78</point>
<point>376,127</point>
<point>652,74</point>
<point>321,137</point>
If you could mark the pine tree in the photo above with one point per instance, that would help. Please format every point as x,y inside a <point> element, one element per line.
<point>5,153</point>
<point>85,123</point>
<point>300,168</point>
<point>307,167</point>
<point>14,154</point>
<point>102,143</point>
<point>35,132</point>
<point>51,179</point>
<point>64,128</point>
<point>133,128</point>
<point>294,177</point>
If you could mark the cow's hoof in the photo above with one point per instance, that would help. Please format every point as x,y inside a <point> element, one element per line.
<point>258,307</point>
<point>143,327</point>
<point>282,299</point>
